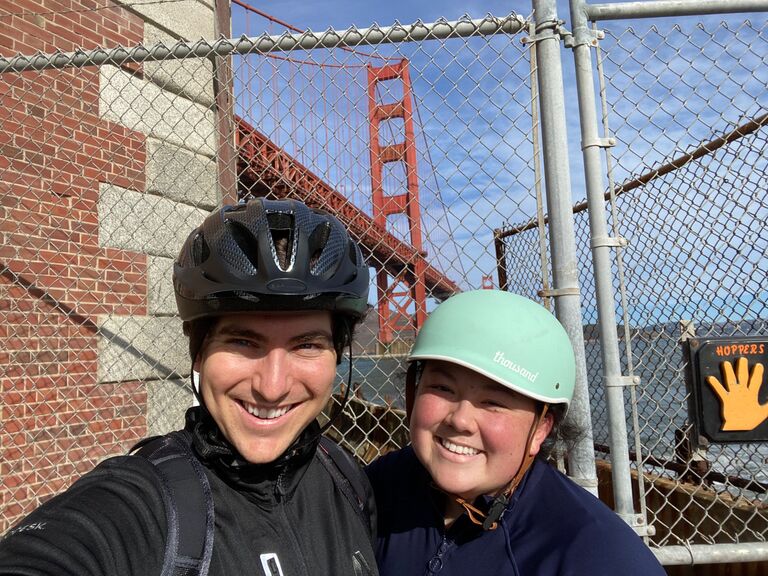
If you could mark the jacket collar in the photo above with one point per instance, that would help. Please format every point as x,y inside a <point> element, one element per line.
<point>266,483</point>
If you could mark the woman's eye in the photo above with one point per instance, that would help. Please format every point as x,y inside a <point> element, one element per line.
<point>438,387</point>
<point>494,403</point>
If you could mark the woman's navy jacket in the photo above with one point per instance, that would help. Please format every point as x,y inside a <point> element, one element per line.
<point>551,527</point>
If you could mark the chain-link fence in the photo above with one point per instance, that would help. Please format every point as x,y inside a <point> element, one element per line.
<point>684,120</point>
<point>110,157</point>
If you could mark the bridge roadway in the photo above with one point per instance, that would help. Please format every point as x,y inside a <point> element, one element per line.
<point>263,167</point>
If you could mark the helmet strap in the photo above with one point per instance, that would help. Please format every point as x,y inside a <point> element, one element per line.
<point>490,521</point>
<point>197,392</point>
<point>411,379</point>
<point>339,408</point>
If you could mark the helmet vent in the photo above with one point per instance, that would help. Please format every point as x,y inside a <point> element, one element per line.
<point>246,242</point>
<point>317,241</point>
<point>281,229</point>
<point>199,249</point>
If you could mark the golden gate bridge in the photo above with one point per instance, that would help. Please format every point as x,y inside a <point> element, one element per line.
<point>300,132</point>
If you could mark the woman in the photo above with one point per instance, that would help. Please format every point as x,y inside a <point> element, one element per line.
<point>490,379</point>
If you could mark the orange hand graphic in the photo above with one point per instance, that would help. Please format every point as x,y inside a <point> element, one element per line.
<point>740,408</point>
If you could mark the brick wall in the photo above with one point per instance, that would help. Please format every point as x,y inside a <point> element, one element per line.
<point>56,278</point>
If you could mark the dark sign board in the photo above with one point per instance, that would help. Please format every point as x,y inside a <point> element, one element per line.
<point>729,397</point>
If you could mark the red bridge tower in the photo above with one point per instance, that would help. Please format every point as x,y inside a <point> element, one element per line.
<point>401,298</point>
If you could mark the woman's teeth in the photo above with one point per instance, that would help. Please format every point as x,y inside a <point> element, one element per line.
<point>457,449</point>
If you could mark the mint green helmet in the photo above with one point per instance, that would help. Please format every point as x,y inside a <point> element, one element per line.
<point>505,337</point>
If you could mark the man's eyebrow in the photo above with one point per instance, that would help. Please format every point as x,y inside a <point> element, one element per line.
<point>313,336</point>
<point>233,330</point>
<point>241,332</point>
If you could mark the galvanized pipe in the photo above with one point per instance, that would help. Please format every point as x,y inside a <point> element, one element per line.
<point>712,553</point>
<point>591,146</point>
<point>265,44</point>
<point>661,8</point>
<point>581,459</point>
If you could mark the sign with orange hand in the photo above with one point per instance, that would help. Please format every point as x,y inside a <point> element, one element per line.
<point>729,395</point>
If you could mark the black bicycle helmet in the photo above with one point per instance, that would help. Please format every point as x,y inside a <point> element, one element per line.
<point>269,255</point>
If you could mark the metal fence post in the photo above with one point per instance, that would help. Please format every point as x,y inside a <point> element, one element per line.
<point>581,459</point>
<point>600,244</point>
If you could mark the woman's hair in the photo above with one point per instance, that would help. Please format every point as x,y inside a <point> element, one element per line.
<point>564,435</point>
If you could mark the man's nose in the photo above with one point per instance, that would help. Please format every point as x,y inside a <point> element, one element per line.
<point>271,382</point>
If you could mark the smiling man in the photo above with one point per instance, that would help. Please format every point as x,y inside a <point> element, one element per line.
<point>491,376</point>
<point>266,378</point>
<point>269,293</point>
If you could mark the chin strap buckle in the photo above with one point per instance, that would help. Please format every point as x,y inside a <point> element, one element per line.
<point>498,506</point>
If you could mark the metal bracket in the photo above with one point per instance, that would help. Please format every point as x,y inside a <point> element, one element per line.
<point>593,38</point>
<point>637,523</point>
<point>621,381</point>
<point>599,142</point>
<point>558,292</point>
<point>556,25</point>
<point>612,241</point>
<point>565,35</point>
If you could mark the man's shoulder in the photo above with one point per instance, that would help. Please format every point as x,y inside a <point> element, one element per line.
<point>118,501</point>
<point>118,475</point>
<point>115,482</point>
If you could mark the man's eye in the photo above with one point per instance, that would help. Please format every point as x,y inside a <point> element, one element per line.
<point>239,342</point>
<point>313,346</point>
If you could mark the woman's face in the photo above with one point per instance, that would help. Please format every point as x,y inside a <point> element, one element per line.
<point>469,431</point>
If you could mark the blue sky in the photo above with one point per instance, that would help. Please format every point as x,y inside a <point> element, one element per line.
<point>341,14</point>
<point>478,175</point>
<point>474,166</point>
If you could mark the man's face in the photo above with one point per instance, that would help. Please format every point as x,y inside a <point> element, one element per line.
<point>469,431</point>
<point>265,376</point>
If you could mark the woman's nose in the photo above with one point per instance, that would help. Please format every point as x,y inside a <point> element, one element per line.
<point>461,417</point>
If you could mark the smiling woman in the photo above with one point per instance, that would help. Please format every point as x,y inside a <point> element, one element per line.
<point>491,374</point>
<point>461,426</point>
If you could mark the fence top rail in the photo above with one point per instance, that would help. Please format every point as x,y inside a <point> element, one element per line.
<point>661,8</point>
<point>658,171</point>
<point>264,44</point>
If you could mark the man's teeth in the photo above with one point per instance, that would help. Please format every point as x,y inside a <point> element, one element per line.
<point>455,448</point>
<point>266,413</point>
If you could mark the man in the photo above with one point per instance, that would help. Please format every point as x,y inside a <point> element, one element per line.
<point>493,373</point>
<point>269,292</point>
